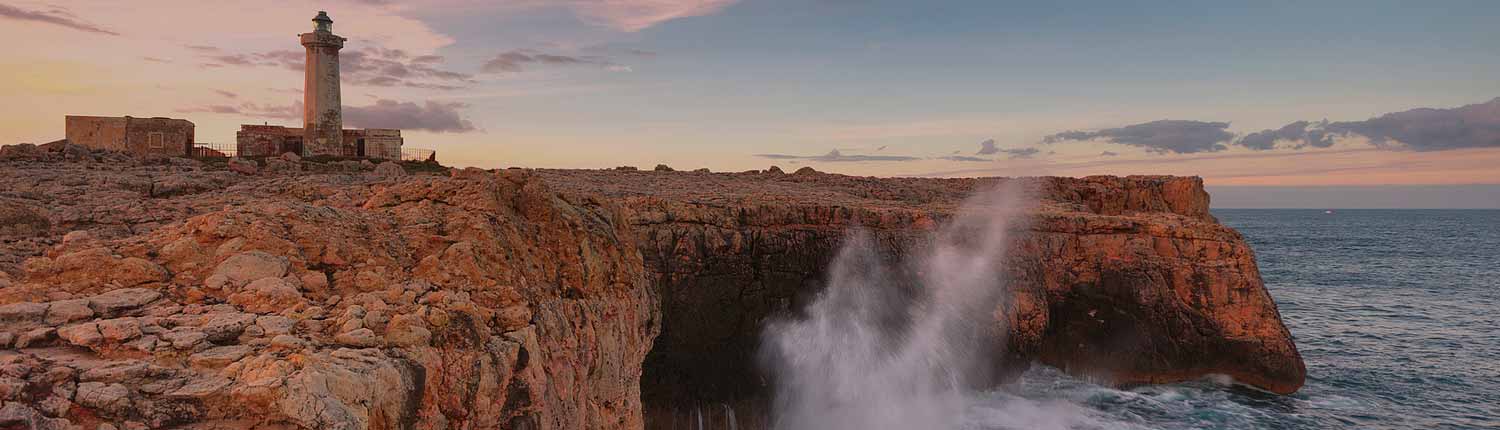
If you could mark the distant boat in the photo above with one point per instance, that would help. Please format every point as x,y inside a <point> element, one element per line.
<point>1328,212</point>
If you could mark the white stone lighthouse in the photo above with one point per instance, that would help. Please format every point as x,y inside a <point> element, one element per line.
<point>322,116</point>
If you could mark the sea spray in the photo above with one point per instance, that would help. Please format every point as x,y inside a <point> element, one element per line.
<point>896,344</point>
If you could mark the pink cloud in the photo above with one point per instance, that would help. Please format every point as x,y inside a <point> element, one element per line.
<point>637,15</point>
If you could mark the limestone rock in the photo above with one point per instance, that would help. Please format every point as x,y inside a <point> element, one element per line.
<point>361,337</point>
<point>84,334</point>
<point>267,295</point>
<point>119,330</point>
<point>218,357</point>
<point>66,311</point>
<point>111,398</point>
<point>122,300</point>
<point>243,166</point>
<point>23,312</point>
<point>245,267</point>
<point>389,170</point>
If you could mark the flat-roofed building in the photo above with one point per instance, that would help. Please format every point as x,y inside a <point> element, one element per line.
<point>138,136</point>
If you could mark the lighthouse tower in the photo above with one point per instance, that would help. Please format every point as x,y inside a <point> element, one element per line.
<point>322,116</point>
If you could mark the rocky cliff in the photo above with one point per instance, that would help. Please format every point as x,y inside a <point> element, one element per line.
<point>284,293</point>
<point>172,294</point>
<point>1124,280</point>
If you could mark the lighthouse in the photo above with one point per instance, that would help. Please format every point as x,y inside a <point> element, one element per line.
<point>322,116</point>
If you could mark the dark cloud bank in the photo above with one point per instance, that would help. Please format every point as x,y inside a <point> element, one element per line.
<point>1423,129</point>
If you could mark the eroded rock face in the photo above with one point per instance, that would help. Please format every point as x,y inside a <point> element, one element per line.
<point>156,294</point>
<point>1128,280</point>
<point>329,301</point>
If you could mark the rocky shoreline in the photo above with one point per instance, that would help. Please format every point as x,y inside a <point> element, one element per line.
<point>287,293</point>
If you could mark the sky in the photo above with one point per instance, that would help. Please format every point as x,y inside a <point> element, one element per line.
<point>1278,104</point>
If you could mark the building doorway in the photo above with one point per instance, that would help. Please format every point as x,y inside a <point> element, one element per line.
<point>359,147</point>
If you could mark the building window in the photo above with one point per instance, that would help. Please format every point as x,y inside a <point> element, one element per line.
<point>155,140</point>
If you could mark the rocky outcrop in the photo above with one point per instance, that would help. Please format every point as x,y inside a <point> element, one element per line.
<point>332,301</point>
<point>299,294</point>
<point>1125,280</point>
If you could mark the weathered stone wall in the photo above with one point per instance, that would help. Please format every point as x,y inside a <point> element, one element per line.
<point>158,136</point>
<point>96,132</point>
<point>383,143</point>
<point>140,136</point>
<point>267,140</point>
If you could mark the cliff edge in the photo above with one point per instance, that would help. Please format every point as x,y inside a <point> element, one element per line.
<point>1125,280</point>
<point>283,293</point>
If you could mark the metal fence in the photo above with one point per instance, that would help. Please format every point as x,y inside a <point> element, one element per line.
<point>214,150</point>
<point>229,150</point>
<point>417,154</point>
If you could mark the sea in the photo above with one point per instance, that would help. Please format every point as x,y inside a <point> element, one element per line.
<point>1396,313</point>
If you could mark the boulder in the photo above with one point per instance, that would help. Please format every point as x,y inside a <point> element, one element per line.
<point>117,302</point>
<point>267,295</point>
<point>244,267</point>
<point>66,311</point>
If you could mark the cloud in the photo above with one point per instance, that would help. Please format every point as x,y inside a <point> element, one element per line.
<point>1159,137</point>
<point>963,158</point>
<point>518,60</point>
<point>253,110</point>
<point>227,94</point>
<point>432,116</point>
<point>987,147</point>
<point>637,15</point>
<point>1428,129</point>
<point>1021,152</point>
<point>835,156</point>
<point>1307,133</point>
<point>156,60</point>
<point>375,66</point>
<point>1422,129</point>
<point>54,17</point>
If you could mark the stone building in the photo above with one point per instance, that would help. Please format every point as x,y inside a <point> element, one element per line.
<point>272,140</point>
<point>322,132</point>
<point>139,136</point>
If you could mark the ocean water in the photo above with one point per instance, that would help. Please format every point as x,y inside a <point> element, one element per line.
<point>1396,313</point>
